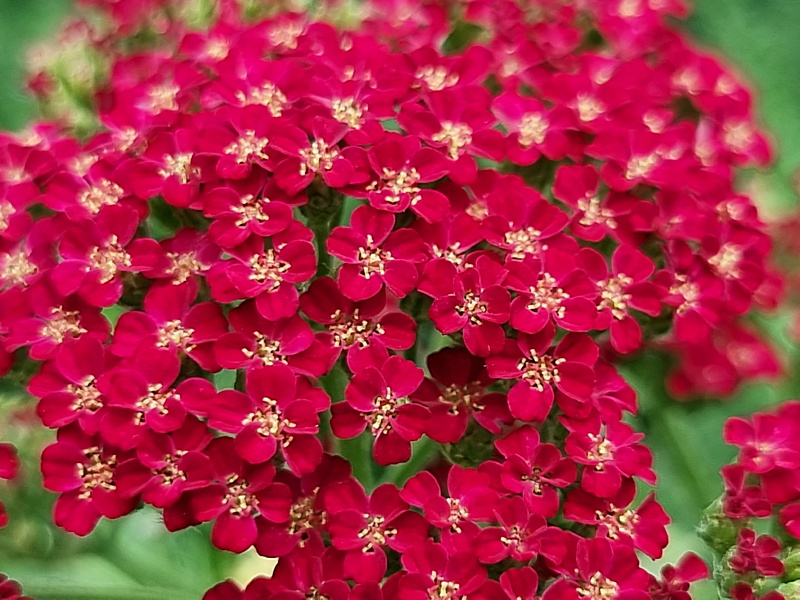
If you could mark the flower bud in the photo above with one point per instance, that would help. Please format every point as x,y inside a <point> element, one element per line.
<point>717,529</point>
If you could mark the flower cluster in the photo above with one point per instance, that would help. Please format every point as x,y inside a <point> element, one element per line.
<point>399,231</point>
<point>760,487</point>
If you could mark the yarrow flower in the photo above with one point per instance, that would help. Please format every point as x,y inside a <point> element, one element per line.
<point>292,248</point>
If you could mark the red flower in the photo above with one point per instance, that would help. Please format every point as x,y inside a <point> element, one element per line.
<point>473,301</point>
<point>374,255</point>
<point>644,527</point>
<point>400,164</point>
<point>256,341</point>
<point>457,392</point>
<point>550,287</point>
<point>269,416</point>
<point>240,493</point>
<point>756,553</point>
<point>67,387</point>
<point>534,469</point>
<point>518,536</point>
<point>469,500</point>
<point>542,370</point>
<point>270,275</point>
<point>626,286</point>
<point>82,470</point>
<point>603,569</point>
<point>169,322</point>
<point>356,326</point>
<point>167,465</point>
<point>433,572</point>
<point>362,526</point>
<point>609,456</point>
<point>378,397</point>
<point>251,208</point>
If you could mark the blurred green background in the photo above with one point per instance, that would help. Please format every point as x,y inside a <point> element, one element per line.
<point>134,558</point>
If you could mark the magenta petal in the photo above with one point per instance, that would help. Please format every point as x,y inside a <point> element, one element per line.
<point>235,534</point>
<point>254,447</point>
<point>303,454</point>
<point>530,404</point>
<point>355,286</point>
<point>364,567</point>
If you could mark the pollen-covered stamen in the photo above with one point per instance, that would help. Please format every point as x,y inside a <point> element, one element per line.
<point>524,241</point>
<point>156,399</point>
<point>96,471</point>
<point>267,267</point>
<point>373,260</point>
<point>595,214</point>
<point>183,265</point>
<point>617,521</point>
<point>462,396</point>
<point>248,147</point>
<point>535,482</point>
<point>630,9</point>
<point>540,371</point>
<point>304,515</point>
<point>727,260</point>
<point>109,259</point>
<point>613,296</point>
<point>547,295</point>
<point>266,95</point>
<point>6,211</point>
<point>738,135</point>
<point>396,183</point>
<point>318,157</point>
<point>641,166</point>
<point>458,514</point>
<point>267,350</point>
<point>513,536</point>
<point>731,210</point>
<point>386,406</point>
<point>478,210</point>
<point>688,289</point>
<point>352,330</point>
<point>472,307</point>
<point>173,333</point>
<point>532,129</point>
<point>436,77</point>
<point>348,111</point>
<point>14,175</point>
<point>271,422</point>
<point>457,136</point>
<point>602,451</point>
<point>589,108</point>
<point>178,165</point>
<point>251,209</point>
<point>16,268</point>
<point>239,500</point>
<point>443,589</point>
<point>86,395</point>
<point>451,253</point>
<point>217,48</point>
<point>170,472</point>
<point>375,533</point>
<point>103,193</point>
<point>285,34</point>
<point>163,97</point>
<point>62,324</point>
<point>598,587</point>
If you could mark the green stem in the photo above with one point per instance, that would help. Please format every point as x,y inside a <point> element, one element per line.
<point>321,231</point>
<point>64,590</point>
<point>423,454</point>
